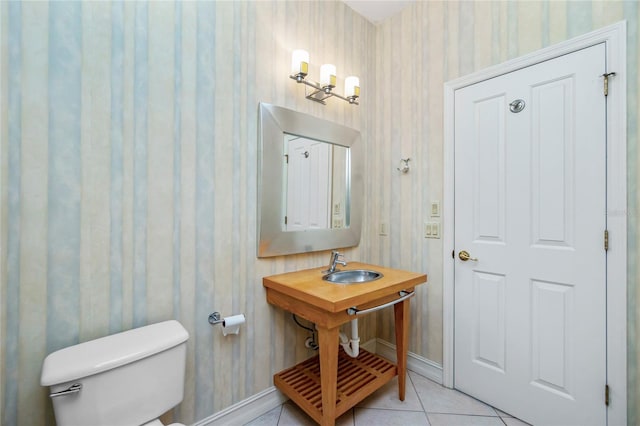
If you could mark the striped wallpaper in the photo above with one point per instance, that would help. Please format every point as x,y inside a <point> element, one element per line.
<point>128,168</point>
<point>129,156</point>
<point>417,51</point>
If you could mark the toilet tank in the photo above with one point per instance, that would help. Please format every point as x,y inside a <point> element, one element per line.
<point>128,378</point>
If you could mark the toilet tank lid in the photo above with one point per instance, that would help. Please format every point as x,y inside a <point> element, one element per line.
<point>95,356</point>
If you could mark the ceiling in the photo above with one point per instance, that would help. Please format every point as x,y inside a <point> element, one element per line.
<point>378,10</point>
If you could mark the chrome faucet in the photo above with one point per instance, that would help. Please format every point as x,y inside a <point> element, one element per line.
<point>336,258</point>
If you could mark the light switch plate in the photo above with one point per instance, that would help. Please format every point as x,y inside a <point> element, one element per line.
<point>432,229</point>
<point>427,229</point>
<point>435,208</point>
<point>435,229</point>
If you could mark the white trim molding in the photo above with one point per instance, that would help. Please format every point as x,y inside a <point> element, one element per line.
<point>614,37</point>
<point>247,409</point>
<point>423,366</point>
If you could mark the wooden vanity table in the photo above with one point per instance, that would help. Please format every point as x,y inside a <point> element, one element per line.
<point>328,385</point>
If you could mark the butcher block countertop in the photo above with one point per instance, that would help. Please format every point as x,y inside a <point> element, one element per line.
<point>308,287</point>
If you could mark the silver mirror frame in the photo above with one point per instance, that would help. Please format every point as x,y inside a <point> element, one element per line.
<point>273,123</point>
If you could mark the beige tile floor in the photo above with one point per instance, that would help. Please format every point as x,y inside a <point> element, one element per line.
<point>426,403</point>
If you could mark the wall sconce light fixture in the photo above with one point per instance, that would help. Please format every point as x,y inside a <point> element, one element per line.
<point>323,89</point>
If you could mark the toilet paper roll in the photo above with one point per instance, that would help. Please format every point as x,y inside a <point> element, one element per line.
<point>231,325</point>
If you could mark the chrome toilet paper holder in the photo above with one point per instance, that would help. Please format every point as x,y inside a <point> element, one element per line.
<point>230,325</point>
<point>215,318</point>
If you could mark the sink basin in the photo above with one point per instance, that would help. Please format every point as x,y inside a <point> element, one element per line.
<point>355,276</point>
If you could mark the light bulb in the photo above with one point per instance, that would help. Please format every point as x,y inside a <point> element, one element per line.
<point>352,86</point>
<point>328,75</point>
<point>299,62</point>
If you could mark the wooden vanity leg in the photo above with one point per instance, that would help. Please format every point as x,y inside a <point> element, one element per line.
<point>401,311</point>
<point>328,346</point>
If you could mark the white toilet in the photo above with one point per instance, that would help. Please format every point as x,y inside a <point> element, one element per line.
<point>129,378</point>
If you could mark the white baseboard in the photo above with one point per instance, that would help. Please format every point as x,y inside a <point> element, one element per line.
<point>246,410</point>
<point>370,346</point>
<point>265,401</point>
<point>415,363</point>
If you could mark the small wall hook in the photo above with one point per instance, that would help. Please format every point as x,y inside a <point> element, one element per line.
<point>404,165</point>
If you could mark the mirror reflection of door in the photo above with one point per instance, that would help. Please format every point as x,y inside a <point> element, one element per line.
<point>308,165</point>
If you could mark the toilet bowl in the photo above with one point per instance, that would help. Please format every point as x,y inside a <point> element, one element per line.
<point>128,378</point>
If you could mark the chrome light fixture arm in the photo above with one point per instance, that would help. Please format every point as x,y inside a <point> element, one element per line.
<point>320,93</point>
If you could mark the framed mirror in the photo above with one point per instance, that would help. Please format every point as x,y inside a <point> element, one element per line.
<point>310,184</point>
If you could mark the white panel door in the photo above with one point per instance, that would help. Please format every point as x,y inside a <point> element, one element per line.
<point>308,184</point>
<point>530,198</point>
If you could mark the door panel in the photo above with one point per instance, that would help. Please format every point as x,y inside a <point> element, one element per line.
<point>552,311</point>
<point>552,158</point>
<point>319,189</point>
<point>530,198</point>
<point>308,171</point>
<point>489,185</point>
<point>489,326</point>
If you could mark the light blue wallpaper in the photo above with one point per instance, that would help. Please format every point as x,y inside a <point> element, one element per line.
<point>64,173</point>
<point>129,157</point>
<point>128,172</point>
<point>116,164</point>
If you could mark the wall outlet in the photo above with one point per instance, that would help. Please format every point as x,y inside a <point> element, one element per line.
<point>337,222</point>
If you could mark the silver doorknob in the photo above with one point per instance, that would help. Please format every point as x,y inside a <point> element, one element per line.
<point>517,106</point>
<point>464,256</point>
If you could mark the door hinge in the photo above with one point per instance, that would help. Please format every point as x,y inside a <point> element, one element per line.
<point>606,240</point>
<point>286,158</point>
<point>606,395</point>
<point>285,220</point>
<point>606,81</point>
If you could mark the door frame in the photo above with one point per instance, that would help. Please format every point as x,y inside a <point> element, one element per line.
<point>614,36</point>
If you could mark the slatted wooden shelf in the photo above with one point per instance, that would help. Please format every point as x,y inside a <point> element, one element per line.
<point>357,378</point>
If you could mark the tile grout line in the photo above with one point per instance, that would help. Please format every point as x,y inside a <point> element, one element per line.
<point>418,396</point>
<point>401,410</point>
<point>280,413</point>
<point>496,412</point>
